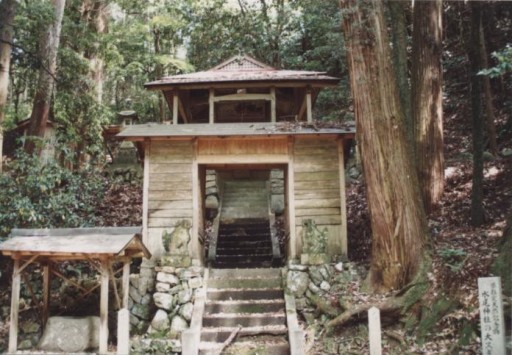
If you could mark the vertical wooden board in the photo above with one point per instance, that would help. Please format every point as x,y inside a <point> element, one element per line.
<point>46,293</point>
<point>294,243</point>
<point>196,188</point>
<point>492,322</point>
<point>343,198</point>
<point>126,282</point>
<point>123,331</point>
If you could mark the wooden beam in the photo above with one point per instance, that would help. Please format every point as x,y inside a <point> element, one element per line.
<point>27,263</point>
<point>343,198</point>
<point>182,111</point>
<point>243,159</point>
<point>15,303</point>
<point>291,200</point>
<point>103,336</point>
<point>243,97</point>
<point>211,104</point>
<point>273,112</point>
<point>175,108</point>
<point>114,286</point>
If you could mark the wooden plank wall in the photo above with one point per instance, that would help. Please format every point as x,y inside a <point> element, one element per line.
<point>169,189</point>
<point>317,188</point>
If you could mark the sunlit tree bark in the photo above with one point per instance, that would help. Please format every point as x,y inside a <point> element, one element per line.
<point>399,230</point>
<point>48,48</point>
<point>7,11</point>
<point>427,99</point>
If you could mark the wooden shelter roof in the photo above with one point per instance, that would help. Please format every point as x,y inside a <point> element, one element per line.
<point>240,69</point>
<point>234,129</point>
<point>76,242</point>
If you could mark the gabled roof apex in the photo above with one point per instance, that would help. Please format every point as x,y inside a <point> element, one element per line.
<point>241,63</point>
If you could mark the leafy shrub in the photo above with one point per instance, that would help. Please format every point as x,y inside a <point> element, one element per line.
<point>36,194</point>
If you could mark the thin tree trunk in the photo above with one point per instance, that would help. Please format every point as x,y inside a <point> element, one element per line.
<point>48,47</point>
<point>477,209</point>
<point>399,229</point>
<point>7,12</point>
<point>489,107</point>
<point>427,100</point>
<point>399,37</point>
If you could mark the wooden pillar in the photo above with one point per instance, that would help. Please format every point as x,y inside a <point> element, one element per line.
<point>103,338</point>
<point>273,113</point>
<point>343,198</point>
<point>211,105</point>
<point>126,282</point>
<point>46,293</point>
<point>196,188</point>
<point>291,199</point>
<point>175,104</point>
<point>309,105</point>
<point>15,300</point>
<point>145,193</point>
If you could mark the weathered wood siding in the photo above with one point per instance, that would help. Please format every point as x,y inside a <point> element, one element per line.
<point>169,189</point>
<point>317,194</point>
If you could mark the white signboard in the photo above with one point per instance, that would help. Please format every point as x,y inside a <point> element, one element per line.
<point>374,331</point>
<point>492,323</point>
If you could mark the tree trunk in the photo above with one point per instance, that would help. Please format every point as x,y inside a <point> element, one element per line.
<point>399,37</point>
<point>477,209</point>
<point>7,12</point>
<point>489,107</point>
<point>399,229</point>
<point>427,100</point>
<point>48,48</point>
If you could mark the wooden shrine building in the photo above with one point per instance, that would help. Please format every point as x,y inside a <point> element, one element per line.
<point>243,120</point>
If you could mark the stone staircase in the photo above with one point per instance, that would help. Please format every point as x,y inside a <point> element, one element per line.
<point>251,299</point>
<point>244,237</point>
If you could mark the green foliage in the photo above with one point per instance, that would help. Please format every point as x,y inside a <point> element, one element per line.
<point>34,194</point>
<point>453,258</point>
<point>504,60</point>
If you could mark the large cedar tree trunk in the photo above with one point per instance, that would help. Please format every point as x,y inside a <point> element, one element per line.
<point>7,12</point>
<point>400,243</point>
<point>427,101</point>
<point>48,48</point>
<point>398,23</point>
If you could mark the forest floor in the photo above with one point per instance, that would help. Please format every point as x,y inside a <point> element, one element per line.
<point>461,253</point>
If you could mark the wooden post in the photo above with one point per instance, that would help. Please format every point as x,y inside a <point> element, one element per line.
<point>123,331</point>
<point>211,105</point>
<point>15,303</point>
<point>374,331</point>
<point>126,282</point>
<point>291,199</point>
<point>196,188</point>
<point>46,293</point>
<point>175,104</point>
<point>103,338</point>
<point>145,192</point>
<point>343,198</point>
<point>273,113</point>
<point>309,105</point>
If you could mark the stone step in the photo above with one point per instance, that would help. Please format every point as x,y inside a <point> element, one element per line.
<point>256,243</point>
<point>244,264</point>
<point>224,294</point>
<point>252,283</point>
<point>243,258</point>
<point>248,306</point>
<point>230,273</point>
<point>253,347</point>
<point>243,238</point>
<point>240,249</point>
<point>221,334</point>
<point>244,319</point>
